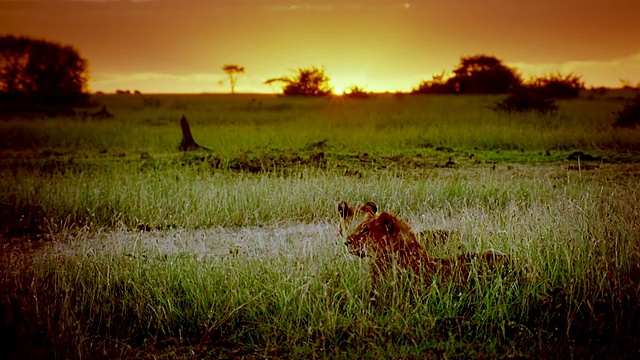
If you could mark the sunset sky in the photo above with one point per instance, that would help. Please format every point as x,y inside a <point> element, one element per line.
<point>379,45</point>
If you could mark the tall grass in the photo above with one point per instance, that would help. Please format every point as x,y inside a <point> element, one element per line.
<point>143,252</point>
<point>276,287</point>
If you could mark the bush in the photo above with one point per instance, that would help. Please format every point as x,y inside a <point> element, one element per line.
<point>308,82</point>
<point>356,92</point>
<point>525,101</point>
<point>557,86</point>
<point>479,74</point>
<point>437,85</point>
<point>630,115</point>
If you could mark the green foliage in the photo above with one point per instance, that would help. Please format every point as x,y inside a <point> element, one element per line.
<point>308,82</point>
<point>41,71</point>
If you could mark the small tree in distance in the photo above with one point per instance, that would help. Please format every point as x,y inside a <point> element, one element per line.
<point>308,82</point>
<point>233,71</point>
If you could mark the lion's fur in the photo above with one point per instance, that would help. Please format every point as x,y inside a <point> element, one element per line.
<point>391,242</point>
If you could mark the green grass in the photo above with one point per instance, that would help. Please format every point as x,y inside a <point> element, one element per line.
<point>116,245</point>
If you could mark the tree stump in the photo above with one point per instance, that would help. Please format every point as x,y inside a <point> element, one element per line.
<point>102,114</point>
<point>188,143</point>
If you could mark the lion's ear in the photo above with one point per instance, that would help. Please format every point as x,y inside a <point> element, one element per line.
<point>371,207</point>
<point>345,210</point>
<point>387,222</point>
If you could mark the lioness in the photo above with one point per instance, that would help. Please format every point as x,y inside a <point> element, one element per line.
<point>390,241</point>
<point>351,216</point>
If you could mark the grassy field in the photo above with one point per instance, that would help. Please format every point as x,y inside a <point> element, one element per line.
<point>116,244</point>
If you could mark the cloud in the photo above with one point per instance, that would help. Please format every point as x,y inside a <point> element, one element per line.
<point>594,72</point>
<point>339,6</point>
<point>301,7</point>
<point>157,82</point>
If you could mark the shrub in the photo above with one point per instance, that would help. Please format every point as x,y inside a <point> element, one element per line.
<point>356,92</point>
<point>526,100</point>
<point>558,86</point>
<point>437,85</point>
<point>308,82</point>
<point>630,115</point>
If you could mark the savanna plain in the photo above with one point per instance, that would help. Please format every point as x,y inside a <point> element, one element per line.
<point>116,244</point>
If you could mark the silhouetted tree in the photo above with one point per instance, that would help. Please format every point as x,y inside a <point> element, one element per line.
<point>308,82</point>
<point>483,74</point>
<point>479,74</point>
<point>233,71</point>
<point>41,71</point>
<point>437,85</point>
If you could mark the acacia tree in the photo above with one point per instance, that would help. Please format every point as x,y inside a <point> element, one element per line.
<point>41,71</point>
<point>233,71</point>
<point>308,82</point>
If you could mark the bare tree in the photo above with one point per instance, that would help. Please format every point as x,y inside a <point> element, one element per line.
<point>233,71</point>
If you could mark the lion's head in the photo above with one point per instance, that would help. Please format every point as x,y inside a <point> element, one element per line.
<point>382,234</point>
<point>351,216</point>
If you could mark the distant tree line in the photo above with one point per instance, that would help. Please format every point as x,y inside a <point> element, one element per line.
<point>43,72</point>
<point>485,74</point>
<point>478,74</point>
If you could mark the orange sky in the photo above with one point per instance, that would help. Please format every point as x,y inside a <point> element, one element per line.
<point>380,45</point>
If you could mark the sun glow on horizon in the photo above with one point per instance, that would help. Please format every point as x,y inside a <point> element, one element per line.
<point>594,73</point>
<point>379,46</point>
